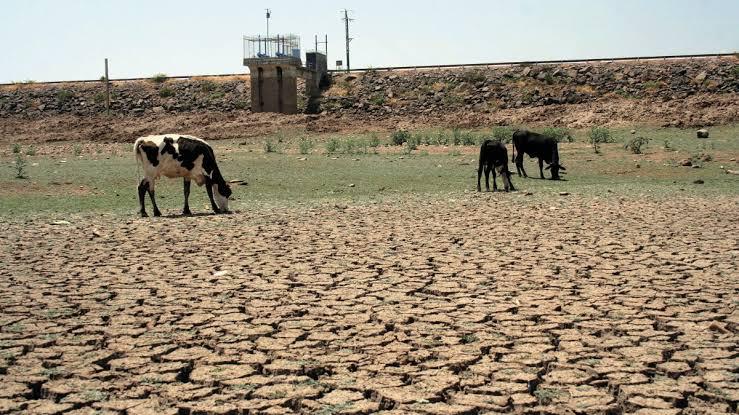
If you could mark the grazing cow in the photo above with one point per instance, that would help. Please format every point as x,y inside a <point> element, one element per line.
<point>494,156</point>
<point>536,145</point>
<point>175,155</point>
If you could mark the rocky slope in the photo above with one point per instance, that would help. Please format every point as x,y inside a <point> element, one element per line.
<point>677,92</point>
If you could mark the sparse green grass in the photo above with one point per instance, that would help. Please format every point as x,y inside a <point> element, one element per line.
<point>159,78</point>
<point>64,96</point>
<point>280,179</point>
<point>562,135</point>
<point>546,396</point>
<point>166,92</point>
<point>305,145</point>
<point>16,148</point>
<point>270,146</point>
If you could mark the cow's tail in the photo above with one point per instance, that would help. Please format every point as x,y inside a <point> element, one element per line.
<point>513,157</point>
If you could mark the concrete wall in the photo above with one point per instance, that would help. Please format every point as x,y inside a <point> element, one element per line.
<point>274,88</point>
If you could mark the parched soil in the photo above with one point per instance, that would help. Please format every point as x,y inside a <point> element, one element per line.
<point>490,303</point>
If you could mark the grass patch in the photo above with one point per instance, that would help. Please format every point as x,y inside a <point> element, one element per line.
<point>305,145</point>
<point>398,138</point>
<point>159,78</point>
<point>63,96</point>
<point>562,135</point>
<point>270,146</point>
<point>166,92</point>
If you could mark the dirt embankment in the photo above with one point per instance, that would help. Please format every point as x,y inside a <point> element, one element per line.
<point>678,93</point>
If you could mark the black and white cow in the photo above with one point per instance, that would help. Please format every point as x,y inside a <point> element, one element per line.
<point>175,155</point>
<point>536,146</point>
<point>494,156</point>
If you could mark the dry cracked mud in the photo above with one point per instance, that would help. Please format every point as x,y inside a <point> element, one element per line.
<point>484,304</point>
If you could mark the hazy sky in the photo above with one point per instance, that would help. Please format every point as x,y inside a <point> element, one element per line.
<point>68,39</point>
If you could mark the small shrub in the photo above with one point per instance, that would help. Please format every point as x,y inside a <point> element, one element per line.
<point>64,96</point>
<point>374,142</point>
<point>736,71</point>
<point>441,139</point>
<point>549,79</point>
<point>16,148</point>
<point>399,137</point>
<point>305,145</point>
<point>349,146</point>
<point>103,79</point>
<point>456,136</point>
<point>474,76</point>
<point>562,135</point>
<point>77,149</point>
<point>597,136</point>
<point>270,146</point>
<point>332,146</point>
<point>166,92</point>
<point>503,134</point>
<point>207,85</point>
<point>635,144</point>
<point>31,151</point>
<point>159,78</point>
<point>378,100</point>
<point>468,139</point>
<point>99,98</point>
<point>241,105</point>
<point>455,153</point>
<point>19,166</point>
<point>668,145</point>
<point>413,142</point>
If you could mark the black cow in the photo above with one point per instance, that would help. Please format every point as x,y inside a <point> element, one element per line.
<point>536,146</point>
<point>175,155</point>
<point>494,156</point>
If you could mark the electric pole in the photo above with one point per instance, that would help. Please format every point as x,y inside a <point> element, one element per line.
<point>269,13</point>
<point>348,39</point>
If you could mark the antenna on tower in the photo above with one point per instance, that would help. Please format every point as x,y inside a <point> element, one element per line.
<point>346,20</point>
<point>269,14</point>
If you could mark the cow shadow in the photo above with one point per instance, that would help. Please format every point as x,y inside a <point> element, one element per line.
<point>194,215</point>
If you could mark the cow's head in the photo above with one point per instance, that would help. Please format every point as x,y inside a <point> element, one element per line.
<point>555,168</point>
<point>221,193</point>
<point>506,175</point>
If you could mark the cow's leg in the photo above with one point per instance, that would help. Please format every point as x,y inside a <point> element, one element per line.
<point>519,165</point>
<point>186,209</point>
<point>143,185</point>
<point>495,182</point>
<point>487,178</point>
<point>150,189</point>
<point>209,189</point>
<point>479,173</point>
<point>541,168</point>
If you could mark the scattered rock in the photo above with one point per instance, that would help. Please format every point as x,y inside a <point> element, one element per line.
<point>686,162</point>
<point>564,193</point>
<point>633,131</point>
<point>702,133</point>
<point>219,274</point>
<point>695,166</point>
<point>351,185</point>
<point>699,181</point>
<point>60,222</point>
<point>732,172</point>
<point>701,77</point>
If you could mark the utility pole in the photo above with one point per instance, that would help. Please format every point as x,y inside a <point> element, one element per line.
<point>348,39</point>
<point>107,88</point>
<point>269,14</point>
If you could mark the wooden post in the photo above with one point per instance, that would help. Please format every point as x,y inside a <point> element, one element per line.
<point>107,89</point>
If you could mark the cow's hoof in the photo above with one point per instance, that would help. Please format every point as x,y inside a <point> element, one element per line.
<point>186,213</point>
<point>144,215</point>
<point>157,213</point>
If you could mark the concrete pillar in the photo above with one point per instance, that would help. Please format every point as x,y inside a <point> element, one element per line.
<point>274,85</point>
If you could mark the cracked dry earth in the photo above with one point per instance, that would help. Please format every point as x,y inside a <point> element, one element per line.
<point>486,304</point>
